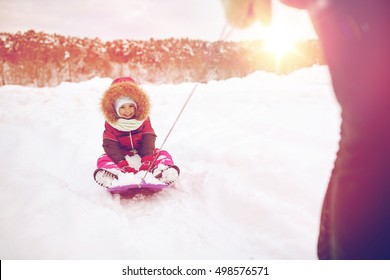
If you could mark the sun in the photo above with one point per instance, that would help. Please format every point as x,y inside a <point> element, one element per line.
<point>279,42</point>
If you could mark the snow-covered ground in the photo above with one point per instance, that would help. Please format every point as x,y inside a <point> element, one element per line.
<point>255,155</point>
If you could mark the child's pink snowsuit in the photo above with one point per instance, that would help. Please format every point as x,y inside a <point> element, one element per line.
<point>105,162</point>
<point>126,137</point>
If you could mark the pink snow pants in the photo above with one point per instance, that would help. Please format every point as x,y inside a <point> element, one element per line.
<point>164,157</point>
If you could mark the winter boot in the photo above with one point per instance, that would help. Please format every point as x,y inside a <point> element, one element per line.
<point>104,177</point>
<point>166,174</point>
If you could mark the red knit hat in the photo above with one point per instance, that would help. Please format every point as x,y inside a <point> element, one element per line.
<point>123,79</point>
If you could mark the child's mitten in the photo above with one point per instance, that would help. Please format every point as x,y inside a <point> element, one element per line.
<point>125,168</point>
<point>146,162</point>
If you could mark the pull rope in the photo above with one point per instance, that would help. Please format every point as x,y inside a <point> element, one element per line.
<point>225,34</point>
<point>179,115</point>
<point>170,130</point>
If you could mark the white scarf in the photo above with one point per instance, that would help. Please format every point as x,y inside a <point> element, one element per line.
<point>126,125</point>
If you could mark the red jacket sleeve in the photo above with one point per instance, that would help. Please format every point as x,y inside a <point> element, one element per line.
<point>147,127</point>
<point>109,132</point>
<point>111,144</point>
<point>148,139</point>
<point>113,150</point>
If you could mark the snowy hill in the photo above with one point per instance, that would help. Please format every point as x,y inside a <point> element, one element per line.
<point>255,155</point>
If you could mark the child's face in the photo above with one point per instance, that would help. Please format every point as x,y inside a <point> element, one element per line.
<point>126,111</point>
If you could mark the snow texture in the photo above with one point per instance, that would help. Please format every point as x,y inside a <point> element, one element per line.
<point>255,155</point>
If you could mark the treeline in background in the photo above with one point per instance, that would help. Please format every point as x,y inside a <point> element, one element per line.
<point>39,59</point>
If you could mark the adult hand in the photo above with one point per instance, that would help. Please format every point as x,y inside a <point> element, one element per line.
<point>243,13</point>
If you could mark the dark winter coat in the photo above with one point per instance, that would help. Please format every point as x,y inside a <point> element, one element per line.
<point>355,34</point>
<point>117,143</point>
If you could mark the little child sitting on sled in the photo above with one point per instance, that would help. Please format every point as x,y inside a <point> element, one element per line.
<point>129,135</point>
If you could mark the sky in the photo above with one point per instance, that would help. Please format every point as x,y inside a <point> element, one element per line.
<point>142,20</point>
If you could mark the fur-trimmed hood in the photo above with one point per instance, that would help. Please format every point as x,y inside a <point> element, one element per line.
<point>125,89</point>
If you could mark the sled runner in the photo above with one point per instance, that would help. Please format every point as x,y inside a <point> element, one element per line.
<point>131,190</point>
<point>129,185</point>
